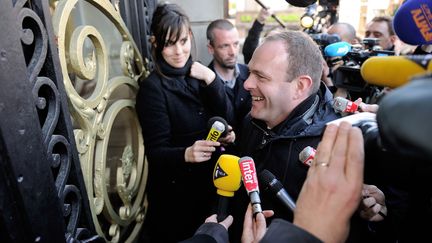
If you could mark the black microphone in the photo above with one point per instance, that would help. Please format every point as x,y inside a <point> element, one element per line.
<point>301,3</point>
<point>275,186</point>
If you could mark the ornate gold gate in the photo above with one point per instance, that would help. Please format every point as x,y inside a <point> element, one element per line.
<point>83,66</point>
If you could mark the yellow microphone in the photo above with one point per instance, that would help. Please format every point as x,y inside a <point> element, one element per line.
<point>217,127</point>
<point>394,71</point>
<point>227,180</point>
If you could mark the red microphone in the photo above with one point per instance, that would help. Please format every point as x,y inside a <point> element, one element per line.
<point>307,155</point>
<point>250,182</point>
<point>343,105</point>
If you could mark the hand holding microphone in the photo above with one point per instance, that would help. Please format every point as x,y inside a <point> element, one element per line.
<point>343,105</point>
<point>217,128</point>
<point>227,180</point>
<point>202,150</point>
<point>250,182</point>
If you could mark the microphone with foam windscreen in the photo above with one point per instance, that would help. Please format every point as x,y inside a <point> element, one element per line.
<point>227,180</point>
<point>217,128</point>
<point>301,3</point>
<point>413,22</point>
<point>275,186</point>
<point>307,155</point>
<point>394,71</point>
<point>250,182</point>
<point>338,49</point>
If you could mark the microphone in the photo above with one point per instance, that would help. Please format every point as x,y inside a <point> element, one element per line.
<point>307,155</point>
<point>413,22</point>
<point>276,187</point>
<point>218,127</point>
<point>394,71</point>
<point>338,49</point>
<point>301,3</point>
<point>227,180</point>
<point>343,105</point>
<point>250,182</point>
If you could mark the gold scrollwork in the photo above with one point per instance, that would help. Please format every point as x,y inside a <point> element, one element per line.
<point>95,46</point>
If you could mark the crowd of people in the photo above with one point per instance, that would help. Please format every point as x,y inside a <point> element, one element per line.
<point>276,104</point>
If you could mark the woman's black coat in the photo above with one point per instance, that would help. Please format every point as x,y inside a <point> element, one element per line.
<point>173,113</point>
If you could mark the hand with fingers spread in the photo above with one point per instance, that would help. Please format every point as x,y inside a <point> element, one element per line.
<point>332,190</point>
<point>200,151</point>
<point>254,228</point>
<point>373,207</point>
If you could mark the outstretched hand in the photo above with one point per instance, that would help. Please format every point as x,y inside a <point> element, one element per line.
<point>332,190</point>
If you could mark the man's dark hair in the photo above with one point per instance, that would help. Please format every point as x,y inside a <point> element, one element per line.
<point>168,19</point>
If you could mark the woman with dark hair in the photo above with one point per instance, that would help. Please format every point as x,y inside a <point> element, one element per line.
<point>174,104</point>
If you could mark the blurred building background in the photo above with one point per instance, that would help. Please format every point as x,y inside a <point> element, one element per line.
<point>243,12</point>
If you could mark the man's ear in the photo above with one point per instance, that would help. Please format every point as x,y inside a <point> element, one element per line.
<point>304,85</point>
<point>393,39</point>
<point>210,48</point>
<point>152,40</point>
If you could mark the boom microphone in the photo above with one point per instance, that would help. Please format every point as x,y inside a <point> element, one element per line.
<point>227,180</point>
<point>413,22</point>
<point>307,155</point>
<point>394,71</point>
<point>250,182</point>
<point>301,3</point>
<point>338,49</point>
<point>276,187</point>
<point>218,127</point>
<point>343,105</point>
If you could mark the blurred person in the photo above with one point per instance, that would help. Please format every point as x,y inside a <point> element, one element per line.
<point>381,27</point>
<point>345,31</point>
<point>223,45</point>
<point>290,109</point>
<point>174,104</point>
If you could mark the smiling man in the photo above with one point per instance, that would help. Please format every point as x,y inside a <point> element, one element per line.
<point>290,109</point>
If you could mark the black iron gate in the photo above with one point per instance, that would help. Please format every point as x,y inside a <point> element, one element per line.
<point>43,196</point>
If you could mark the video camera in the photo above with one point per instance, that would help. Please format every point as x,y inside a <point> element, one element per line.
<point>324,39</point>
<point>348,75</point>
